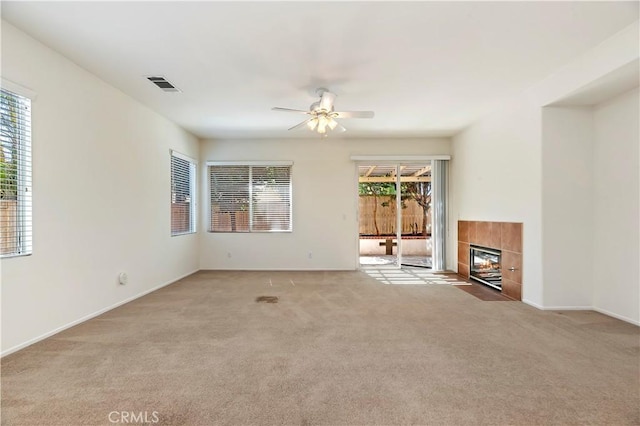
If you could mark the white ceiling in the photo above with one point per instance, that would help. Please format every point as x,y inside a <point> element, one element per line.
<point>425,68</point>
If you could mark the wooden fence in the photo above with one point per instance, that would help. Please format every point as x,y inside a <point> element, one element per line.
<point>180,217</point>
<point>385,217</point>
<point>272,217</point>
<point>230,222</point>
<point>8,223</point>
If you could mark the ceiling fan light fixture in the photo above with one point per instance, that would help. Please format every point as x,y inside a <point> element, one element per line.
<point>311,124</point>
<point>323,114</point>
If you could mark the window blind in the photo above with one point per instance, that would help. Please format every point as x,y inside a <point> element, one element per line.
<point>248,198</point>
<point>183,210</point>
<point>15,175</point>
<point>271,197</point>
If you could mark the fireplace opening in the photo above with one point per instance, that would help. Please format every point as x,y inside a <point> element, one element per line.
<point>485,266</point>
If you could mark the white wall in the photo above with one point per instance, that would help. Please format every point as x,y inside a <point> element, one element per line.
<point>498,170</point>
<point>567,206</point>
<point>496,176</point>
<point>101,182</point>
<point>325,203</point>
<point>616,242</point>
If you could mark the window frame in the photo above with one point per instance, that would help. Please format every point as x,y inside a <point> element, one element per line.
<point>24,172</point>
<point>250,165</point>
<point>193,169</point>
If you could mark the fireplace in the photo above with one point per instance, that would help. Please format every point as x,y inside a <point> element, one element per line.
<point>485,266</point>
<point>505,238</point>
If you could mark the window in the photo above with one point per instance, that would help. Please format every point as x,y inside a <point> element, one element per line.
<point>250,197</point>
<point>15,174</point>
<point>183,190</point>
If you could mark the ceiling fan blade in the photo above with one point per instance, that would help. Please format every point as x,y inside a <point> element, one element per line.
<point>289,110</point>
<point>299,125</point>
<point>353,114</point>
<point>326,101</point>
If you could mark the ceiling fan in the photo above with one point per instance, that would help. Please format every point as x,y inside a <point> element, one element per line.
<point>322,115</point>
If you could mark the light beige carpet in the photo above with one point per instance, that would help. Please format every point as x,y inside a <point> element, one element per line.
<point>338,348</point>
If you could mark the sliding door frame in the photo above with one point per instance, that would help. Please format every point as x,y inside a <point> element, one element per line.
<point>397,161</point>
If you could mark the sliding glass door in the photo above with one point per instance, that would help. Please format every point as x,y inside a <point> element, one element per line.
<point>415,214</point>
<point>395,214</point>
<point>378,219</point>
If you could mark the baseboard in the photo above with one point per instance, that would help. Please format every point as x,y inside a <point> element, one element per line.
<point>582,308</point>
<point>557,308</point>
<point>567,308</point>
<point>279,270</point>
<point>616,316</point>
<point>530,303</point>
<point>88,317</point>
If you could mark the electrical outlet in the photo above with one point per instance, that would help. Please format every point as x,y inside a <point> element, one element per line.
<point>229,254</point>
<point>123,278</point>
<point>310,255</point>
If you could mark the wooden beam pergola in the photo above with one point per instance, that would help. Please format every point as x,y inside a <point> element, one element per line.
<point>371,169</point>
<point>422,171</point>
<point>392,179</point>
<point>394,171</point>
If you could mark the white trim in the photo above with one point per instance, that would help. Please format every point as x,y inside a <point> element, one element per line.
<point>398,218</point>
<point>281,269</point>
<point>530,303</point>
<point>557,308</point>
<point>582,308</point>
<point>356,205</point>
<point>616,316</point>
<point>182,156</point>
<point>399,158</point>
<point>18,89</point>
<point>249,163</point>
<point>567,308</point>
<point>90,316</point>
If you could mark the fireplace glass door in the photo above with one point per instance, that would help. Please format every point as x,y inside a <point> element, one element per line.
<point>485,266</point>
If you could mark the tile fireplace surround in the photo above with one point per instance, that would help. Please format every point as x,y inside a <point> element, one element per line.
<point>503,236</point>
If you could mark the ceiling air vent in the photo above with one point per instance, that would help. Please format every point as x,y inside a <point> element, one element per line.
<point>162,83</point>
